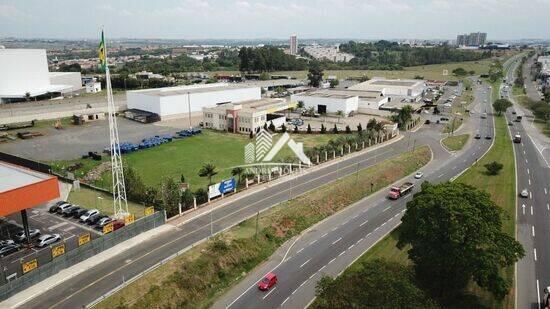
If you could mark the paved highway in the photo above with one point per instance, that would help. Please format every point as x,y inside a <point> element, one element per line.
<point>533,212</point>
<point>331,246</point>
<point>95,282</point>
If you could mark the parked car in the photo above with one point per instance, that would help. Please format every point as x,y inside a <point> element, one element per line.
<point>48,239</point>
<point>510,123</point>
<point>33,233</point>
<point>93,219</point>
<point>78,213</point>
<point>524,193</point>
<point>9,249</point>
<point>68,211</point>
<point>62,208</point>
<point>102,222</point>
<point>6,242</point>
<point>73,210</point>
<point>118,224</point>
<point>267,282</point>
<point>478,136</point>
<point>55,207</point>
<point>418,175</point>
<point>88,214</point>
<point>488,137</point>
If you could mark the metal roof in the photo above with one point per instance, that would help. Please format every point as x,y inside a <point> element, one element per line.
<point>13,177</point>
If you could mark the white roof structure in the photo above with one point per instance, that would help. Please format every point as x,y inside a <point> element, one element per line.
<point>13,177</point>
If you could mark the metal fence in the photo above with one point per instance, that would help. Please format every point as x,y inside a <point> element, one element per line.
<point>14,282</point>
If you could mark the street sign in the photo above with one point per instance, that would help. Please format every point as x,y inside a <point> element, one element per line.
<point>226,186</point>
<point>129,219</point>
<point>58,250</point>
<point>84,239</point>
<point>108,228</point>
<point>149,210</point>
<point>30,265</point>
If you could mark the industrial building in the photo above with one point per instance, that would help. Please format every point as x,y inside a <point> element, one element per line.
<point>410,90</point>
<point>24,75</point>
<point>178,102</point>
<point>346,101</point>
<point>330,53</point>
<point>245,117</point>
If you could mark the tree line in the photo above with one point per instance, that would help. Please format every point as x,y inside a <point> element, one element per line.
<point>268,59</point>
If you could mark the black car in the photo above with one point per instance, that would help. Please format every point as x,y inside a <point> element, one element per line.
<point>79,212</point>
<point>9,249</point>
<point>488,137</point>
<point>92,220</point>
<point>55,206</point>
<point>67,212</point>
<point>478,136</point>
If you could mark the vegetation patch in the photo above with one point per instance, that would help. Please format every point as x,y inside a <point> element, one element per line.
<point>456,142</point>
<point>197,277</point>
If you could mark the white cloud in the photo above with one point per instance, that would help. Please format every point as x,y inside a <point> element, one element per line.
<point>11,12</point>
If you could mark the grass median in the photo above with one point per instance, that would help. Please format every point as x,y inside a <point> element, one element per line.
<point>199,276</point>
<point>456,142</point>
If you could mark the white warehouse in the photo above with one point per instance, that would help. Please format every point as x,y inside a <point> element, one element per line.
<point>24,73</point>
<point>328,101</point>
<point>409,89</point>
<point>177,102</point>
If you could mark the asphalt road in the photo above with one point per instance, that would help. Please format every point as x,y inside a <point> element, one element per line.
<point>88,286</point>
<point>335,243</point>
<point>533,213</point>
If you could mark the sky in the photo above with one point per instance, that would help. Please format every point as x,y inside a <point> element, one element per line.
<point>277,19</point>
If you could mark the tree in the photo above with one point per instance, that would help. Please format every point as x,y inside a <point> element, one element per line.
<point>376,284</point>
<point>283,128</point>
<point>334,83</point>
<point>315,74</point>
<point>187,199</point>
<point>296,129</point>
<point>208,170</point>
<point>300,104</point>
<point>359,128</point>
<point>418,77</point>
<point>27,96</point>
<point>323,129</point>
<point>371,124</point>
<point>455,234</point>
<point>265,126</point>
<point>403,116</point>
<point>265,76</point>
<point>238,172</point>
<point>501,105</point>
<point>251,135</point>
<point>182,179</point>
<point>493,168</point>
<point>348,129</point>
<point>201,195</point>
<point>170,196</point>
<point>272,127</point>
<point>135,188</point>
<point>308,128</point>
<point>335,129</point>
<point>460,72</point>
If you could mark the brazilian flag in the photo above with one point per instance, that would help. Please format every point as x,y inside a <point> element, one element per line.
<point>101,51</point>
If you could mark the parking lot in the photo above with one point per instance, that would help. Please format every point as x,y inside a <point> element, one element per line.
<point>39,218</point>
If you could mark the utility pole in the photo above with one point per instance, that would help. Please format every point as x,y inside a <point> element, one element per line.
<point>357,174</point>
<point>257,224</point>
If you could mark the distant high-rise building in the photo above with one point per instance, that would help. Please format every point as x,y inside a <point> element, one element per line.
<point>293,44</point>
<point>472,39</point>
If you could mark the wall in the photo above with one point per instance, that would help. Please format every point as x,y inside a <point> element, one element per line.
<point>72,79</point>
<point>333,104</point>
<point>142,101</point>
<point>23,70</point>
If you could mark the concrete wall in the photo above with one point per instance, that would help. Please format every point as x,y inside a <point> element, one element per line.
<point>22,71</point>
<point>73,79</point>
<point>333,104</point>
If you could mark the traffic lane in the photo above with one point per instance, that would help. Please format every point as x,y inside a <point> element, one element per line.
<point>106,279</point>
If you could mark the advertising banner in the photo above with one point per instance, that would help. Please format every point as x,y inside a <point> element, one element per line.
<point>224,187</point>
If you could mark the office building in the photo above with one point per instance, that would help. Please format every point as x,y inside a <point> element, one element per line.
<point>293,44</point>
<point>330,53</point>
<point>472,39</point>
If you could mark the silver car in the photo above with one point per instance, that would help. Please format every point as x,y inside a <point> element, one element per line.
<point>48,239</point>
<point>524,193</point>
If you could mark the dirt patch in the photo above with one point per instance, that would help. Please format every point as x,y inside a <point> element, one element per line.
<point>95,173</point>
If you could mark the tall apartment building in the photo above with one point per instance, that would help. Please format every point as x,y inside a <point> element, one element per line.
<point>293,44</point>
<point>472,39</point>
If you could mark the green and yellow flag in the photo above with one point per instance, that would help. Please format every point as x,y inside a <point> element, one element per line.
<point>101,51</point>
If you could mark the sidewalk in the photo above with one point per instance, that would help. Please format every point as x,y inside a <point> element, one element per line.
<point>207,208</point>
<point>43,286</point>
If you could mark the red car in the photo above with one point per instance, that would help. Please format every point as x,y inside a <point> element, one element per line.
<point>267,282</point>
<point>118,224</point>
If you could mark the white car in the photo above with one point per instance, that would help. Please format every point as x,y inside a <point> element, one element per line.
<point>48,239</point>
<point>418,175</point>
<point>88,214</point>
<point>524,193</point>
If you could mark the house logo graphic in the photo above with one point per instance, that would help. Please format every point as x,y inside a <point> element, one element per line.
<point>263,149</point>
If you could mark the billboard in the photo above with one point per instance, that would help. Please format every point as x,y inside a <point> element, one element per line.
<point>223,187</point>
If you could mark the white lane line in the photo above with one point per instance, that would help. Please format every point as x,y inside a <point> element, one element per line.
<point>527,171</point>
<point>322,267</point>
<point>368,235</point>
<point>311,243</point>
<point>337,240</point>
<point>530,195</point>
<point>334,229</point>
<point>538,291</point>
<point>440,176</point>
<point>535,253</point>
<point>545,191</point>
<point>354,216</point>
<point>300,250</point>
<point>324,235</point>
<point>376,229</point>
<point>311,276</point>
<point>383,224</point>
<point>385,209</point>
<point>357,242</point>
<point>473,153</point>
<point>364,223</point>
<point>529,181</point>
<point>305,263</point>
<point>331,261</point>
<point>301,285</point>
<point>351,246</point>
<point>533,230</point>
<point>284,301</point>
<point>341,253</point>
<point>266,295</point>
<point>454,168</point>
<point>531,210</point>
<point>548,206</point>
<point>527,162</point>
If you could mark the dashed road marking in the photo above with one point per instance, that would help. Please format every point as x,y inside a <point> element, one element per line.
<point>341,253</point>
<point>337,240</point>
<point>266,295</point>
<point>300,250</point>
<point>285,301</point>
<point>324,235</point>
<point>304,263</point>
<point>351,246</point>
<point>385,209</point>
<point>533,230</point>
<point>331,261</point>
<point>364,223</point>
<point>311,243</point>
<point>531,210</point>
<point>535,253</point>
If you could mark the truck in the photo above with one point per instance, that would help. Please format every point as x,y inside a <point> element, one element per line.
<point>397,192</point>
<point>517,138</point>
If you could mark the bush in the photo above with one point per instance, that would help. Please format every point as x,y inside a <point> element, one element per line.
<point>348,130</point>
<point>201,195</point>
<point>308,128</point>
<point>335,129</point>
<point>493,168</point>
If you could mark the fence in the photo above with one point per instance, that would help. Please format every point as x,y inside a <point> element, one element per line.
<point>17,281</point>
<point>33,165</point>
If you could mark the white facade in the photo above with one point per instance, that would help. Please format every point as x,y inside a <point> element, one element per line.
<point>174,102</point>
<point>327,101</point>
<point>93,87</point>
<point>330,53</point>
<point>71,80</point>
<point>410,89</point>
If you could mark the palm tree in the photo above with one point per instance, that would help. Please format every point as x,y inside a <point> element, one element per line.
<point>238,171</point>
<point>208,170</point>
<point>379,128</point>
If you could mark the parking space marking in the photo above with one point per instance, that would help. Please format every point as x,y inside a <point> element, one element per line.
<point>53,227</point>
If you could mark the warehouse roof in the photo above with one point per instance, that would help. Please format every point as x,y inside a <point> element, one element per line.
<point>181,90</point>
<point>342,94</point>
<point>13,177</point>
<point>379,83</point>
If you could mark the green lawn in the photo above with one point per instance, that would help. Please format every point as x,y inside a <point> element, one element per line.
<point>91,199</point>
<point>196,278</point>
<point>455,142</point>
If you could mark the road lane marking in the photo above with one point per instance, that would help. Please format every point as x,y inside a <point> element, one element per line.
<point>311,243</point>
<point>548,206</point>
<point>299,250</point>
<point>440,176</point>
<point>535,253</point>
<point>322,267</point>
<point>324,235</point>
<point>538,291</point>
<point>284,301</point>
<point>357,242</point>
<point>383,224</point>
<point>376,229</point>
<point>545,191</point>
<point>454,168</point>
<point>331,261</point>
<point>533,230</point>
<point>530,195</point>
<point>527,171</point>
<point>527,162</point>
<point>305,263</point>
<point>266,295</point>
<point>529,181</point>
<point>351,246</point>
<point>386,208</point>
<point>337,240</point>
<point>364,223</point>
<point>354,216</point>
<point>301,285</point>
<point>531,210</point>
<point>334,229</point>
<point>368,235</point>
<point>341,253</point>
<point>311,276</point>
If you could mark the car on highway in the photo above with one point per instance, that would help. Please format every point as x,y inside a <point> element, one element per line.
<point>48,239</point>
<point>478,136</point>
<point>267,282</point>
<point>488,137</point>
<point>88,214</point>
<point>418,175</point>
<point>9,249</point>
<point>33,233</point>
<point>524,193</point>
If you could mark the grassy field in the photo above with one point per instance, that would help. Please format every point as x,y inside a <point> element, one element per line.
<point>434,71</point>
<point>91,199</point>
<point>196,278</point>
<point>455,142</point>
<point>524,101</point>
<point>186,157</point>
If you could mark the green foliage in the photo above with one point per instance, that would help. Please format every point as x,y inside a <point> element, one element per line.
<point>334,83</point>
<point>300,104</point>
<point>268,59</point>
<point>496,71</point>
<point>75,67</point>
<point>272,127</point>
<point>455,232</point>
<point>170,196</point>
<point>315,74</point>
<point>501,105</point>
<point>493,168</point>
<point>377,284</point>
<point>403,116</point>
<point>460,72</point>
<point>360,128</point>
<point>201,195</point>
<point>265,76</point>
<point>418,77</point>
<point>238,172</point>
<point>323,129</point>
<point>208,170</point>
<point>187,199</point>
<point>348,130</point>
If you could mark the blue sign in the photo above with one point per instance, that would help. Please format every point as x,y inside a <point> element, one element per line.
<point>227,185</point>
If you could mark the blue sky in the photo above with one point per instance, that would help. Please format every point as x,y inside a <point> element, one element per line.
<point>247,19</point>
